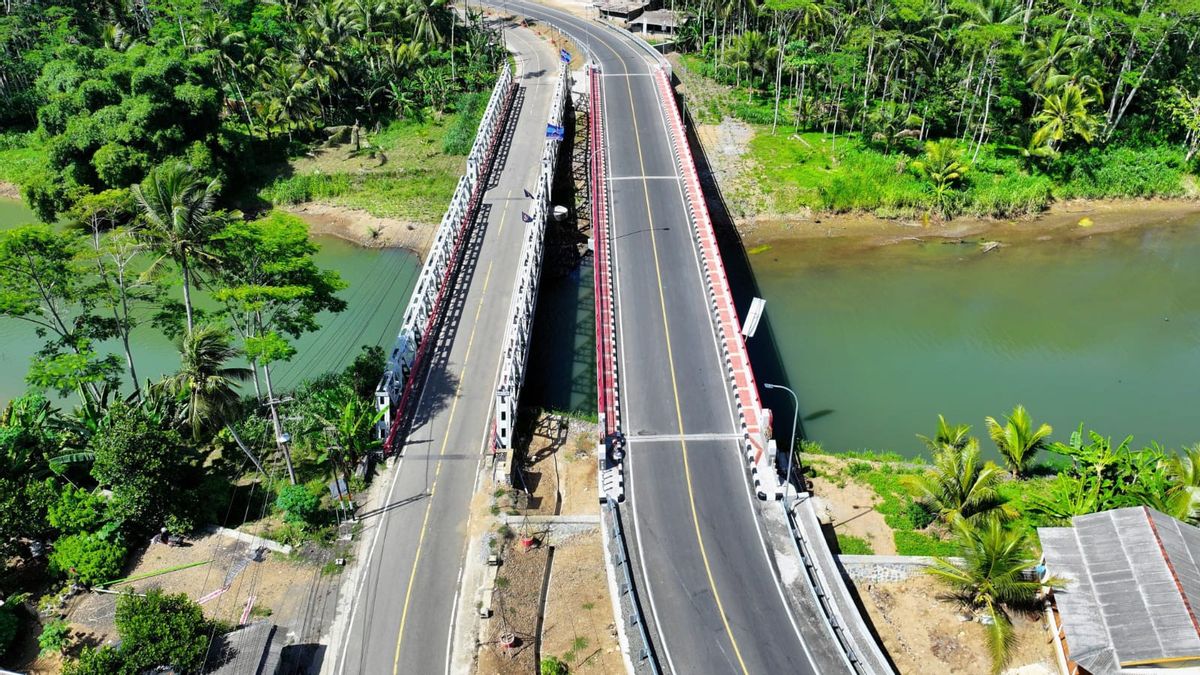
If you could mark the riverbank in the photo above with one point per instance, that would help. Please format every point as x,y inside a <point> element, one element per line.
<point>360,227</point>
<point>9,190</point>
<point>1062,222</point>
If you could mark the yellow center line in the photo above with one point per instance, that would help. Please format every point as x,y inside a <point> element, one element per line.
<point>412,577</point>
<point>687,471</point>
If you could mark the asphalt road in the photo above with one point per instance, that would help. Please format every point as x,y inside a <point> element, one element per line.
<point>704,568</point>
<point>402,615</point>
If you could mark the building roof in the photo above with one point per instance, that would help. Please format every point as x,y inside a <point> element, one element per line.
<point>660,17</point>
<point>1132,588</point>
<point>253,650</point>
<point>621,6</point>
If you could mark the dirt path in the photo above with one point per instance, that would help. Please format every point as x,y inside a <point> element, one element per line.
<point>578,627</point>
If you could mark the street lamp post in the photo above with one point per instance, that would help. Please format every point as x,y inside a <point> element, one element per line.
<point>795,419</point>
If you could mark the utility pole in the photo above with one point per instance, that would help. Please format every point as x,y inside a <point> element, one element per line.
<point>281,439</point>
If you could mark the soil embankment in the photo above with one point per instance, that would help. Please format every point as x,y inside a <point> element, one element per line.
<point>362,228</point>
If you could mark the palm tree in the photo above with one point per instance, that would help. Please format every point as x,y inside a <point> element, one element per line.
<point>1050,57</point>
<point>960,485</point>
<point>940,166</point>
<point>206,386</point>
<point>349,420</point>
<point>948,436</point>
<point>1065,115</point>
<point>1184,472</point>
<point>991,580</point>
<point>178,220</point>
<point>1017,440</point>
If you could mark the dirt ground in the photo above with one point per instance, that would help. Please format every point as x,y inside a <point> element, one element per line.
<point>364,229</point>
<point>515,605</point>
<point>289,590</point>
<point>917,626</point>
<point>9,191</point>
<point>578,627</point>
<point>850,505</point>
<point>562,468</point>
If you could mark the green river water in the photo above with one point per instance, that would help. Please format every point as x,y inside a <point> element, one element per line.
<point>1103,330</point>
<point>380,281</point>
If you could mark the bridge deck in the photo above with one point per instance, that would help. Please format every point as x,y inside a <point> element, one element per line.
<point>401,612</point>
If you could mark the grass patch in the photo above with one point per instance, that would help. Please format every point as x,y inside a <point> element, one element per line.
<point>21,159</point>
<point>405,173</point>
<point>851,545</point>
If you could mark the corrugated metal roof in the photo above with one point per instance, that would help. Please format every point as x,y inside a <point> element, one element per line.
<point>1133,582</point>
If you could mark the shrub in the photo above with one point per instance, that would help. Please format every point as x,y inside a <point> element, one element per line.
<point>87,558</point>
<point>92,661</point>
<point>851,545</point>
<point>9,622</point>
<point>920,514</point>
<point>859,468</point>
<point>298,503</point>
<point>552,665</point>
<point>306,188</point>
<point>161,629</point>
<point>54,637</point>
<point>76,511</point>
<point>461,135</point>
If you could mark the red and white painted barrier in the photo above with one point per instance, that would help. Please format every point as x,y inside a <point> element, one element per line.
<point>754,419</point>
<point>606,359</point>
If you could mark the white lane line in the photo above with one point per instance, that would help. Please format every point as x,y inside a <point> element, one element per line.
<point>750,497</point>
<point>675,438</point>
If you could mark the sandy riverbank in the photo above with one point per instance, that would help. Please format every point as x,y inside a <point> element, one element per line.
<point>362,228</point>
<point>9,190</point>
<point>1063,222</point>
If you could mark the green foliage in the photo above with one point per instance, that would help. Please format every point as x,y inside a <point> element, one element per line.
<point>104,660</point>
<point>77,511</point>
<point>9,623</point>
<point>153,474</point>
<point>161,629</point>
<point>1017,439</point>
<point>300,504</point>
<point>552,665</point>
<point>851,545</point>
<point>916,543</point>
<point>87,559</point>
<point>991,580</point>
<point>55,637</point>
<point>461,134</point>
<point>306,188</point>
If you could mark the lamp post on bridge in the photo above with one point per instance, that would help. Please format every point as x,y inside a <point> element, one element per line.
<point>795,420</point>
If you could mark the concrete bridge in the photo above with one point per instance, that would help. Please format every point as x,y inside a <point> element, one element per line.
<point>714,566</point>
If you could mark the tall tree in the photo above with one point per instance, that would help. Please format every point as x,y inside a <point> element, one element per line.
<point>177,208</point>
<point>206,383</point>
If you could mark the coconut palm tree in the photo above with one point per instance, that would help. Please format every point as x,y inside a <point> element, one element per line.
<point>1064,116</point>
<point>960,485</point>
<point>991,580</point>
<point>940,165</point>
<point>205,384</point>
<point>948,436</point>
<point>176,206</point>
<point>1017,440</point>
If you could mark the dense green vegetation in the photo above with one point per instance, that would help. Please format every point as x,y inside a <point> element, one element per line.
<point>955,106</point>
<point>959,504</point>
<point>111,92</point>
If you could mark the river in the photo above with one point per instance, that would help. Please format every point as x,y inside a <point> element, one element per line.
<point>380,281</point>
<point>1103,330</point>
<point>876,340</point>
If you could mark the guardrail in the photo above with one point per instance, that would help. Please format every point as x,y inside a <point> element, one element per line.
<point>754,420</point>
<point>418,328</point>
<point>611,467</point>
<point>862,652</point>
<point>529,273</point>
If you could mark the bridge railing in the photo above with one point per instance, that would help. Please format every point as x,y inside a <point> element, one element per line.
<point>519,328</point>
<point>397,388</point>
<point>626,603</point>
<point>755,421</point>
